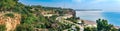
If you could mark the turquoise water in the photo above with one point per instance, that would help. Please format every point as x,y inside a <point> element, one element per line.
<point>112,17</point>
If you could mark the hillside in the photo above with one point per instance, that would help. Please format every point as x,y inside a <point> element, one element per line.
<point>16,16</point>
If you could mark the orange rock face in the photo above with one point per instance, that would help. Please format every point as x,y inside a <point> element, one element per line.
<point>10,23</point>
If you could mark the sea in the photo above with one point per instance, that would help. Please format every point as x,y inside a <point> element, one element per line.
<point>112,17</point>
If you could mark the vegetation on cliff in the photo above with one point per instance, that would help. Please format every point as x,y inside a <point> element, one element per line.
<point>2,27</point>
<point>38,18</point>
<point>32,18</point>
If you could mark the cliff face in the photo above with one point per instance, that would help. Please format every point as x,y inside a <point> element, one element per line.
<point>70,11</point>
<point>10,23</point>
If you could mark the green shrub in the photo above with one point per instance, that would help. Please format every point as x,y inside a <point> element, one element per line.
<point>25,27</point>
<point>78,28</point>
<point>29,19</point>
<point>72,19</point>
<point>2,27</point>
<point>53,18</point>
<point>90,29</point>
<point>40,26</point>
<point>64,26</point>
<point>9,15</point>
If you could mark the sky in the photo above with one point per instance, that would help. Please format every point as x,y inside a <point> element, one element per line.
<point>106,5</point>
<point>110,8</point>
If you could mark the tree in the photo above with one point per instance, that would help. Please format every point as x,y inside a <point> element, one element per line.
<point>119,29</point>
<point>102,25</point>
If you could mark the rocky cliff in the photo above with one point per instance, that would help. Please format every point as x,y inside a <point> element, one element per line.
<point>10,23</point>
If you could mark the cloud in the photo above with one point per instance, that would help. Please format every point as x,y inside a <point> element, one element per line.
<point>78,1</point>
<point>90,1</point>
<point>105,5</point>
<point>98,1</point>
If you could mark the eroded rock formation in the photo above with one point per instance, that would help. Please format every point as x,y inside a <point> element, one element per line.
<point>10,23</point>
